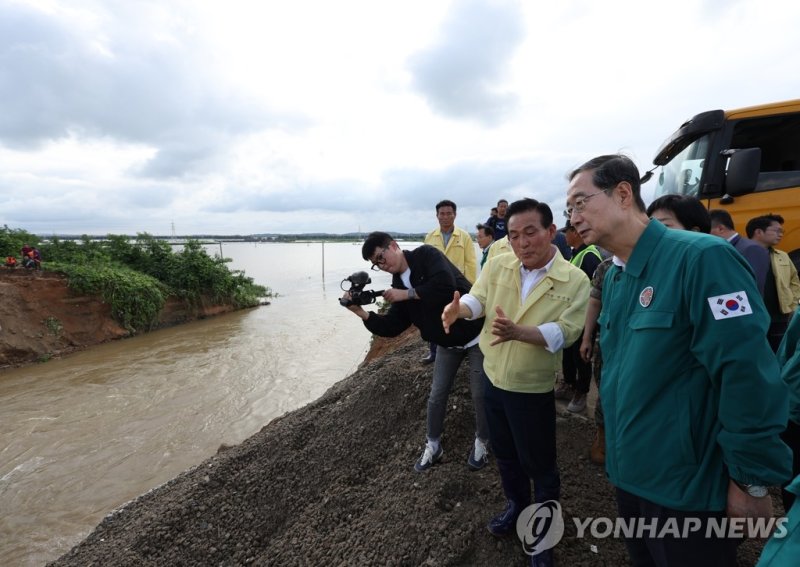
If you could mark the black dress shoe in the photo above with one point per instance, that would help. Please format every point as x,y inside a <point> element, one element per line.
<point>506,521</point>
<point>428,359</point>
<point>543,559</point>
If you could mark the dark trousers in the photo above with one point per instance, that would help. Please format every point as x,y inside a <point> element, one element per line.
<point>792,438</point>
<point>775,333</point>
<point>522,433</point>
<point>432,347</point>
<point>577,373</point>
<point>597,370</point>
<point>694,550</point>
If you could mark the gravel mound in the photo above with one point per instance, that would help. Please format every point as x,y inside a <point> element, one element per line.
<point>333,483</point>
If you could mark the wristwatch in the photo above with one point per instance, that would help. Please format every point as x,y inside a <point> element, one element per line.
<point>411,293</point>
<point>754,490</point>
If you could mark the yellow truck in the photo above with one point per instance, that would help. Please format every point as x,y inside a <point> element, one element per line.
<point>745,161</point>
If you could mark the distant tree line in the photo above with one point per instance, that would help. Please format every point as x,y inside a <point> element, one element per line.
<point>269,237</point>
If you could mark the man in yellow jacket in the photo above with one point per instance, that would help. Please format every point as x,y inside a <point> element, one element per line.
<point>535,303</point>
<point>456,243</point>
<point>782,286</point>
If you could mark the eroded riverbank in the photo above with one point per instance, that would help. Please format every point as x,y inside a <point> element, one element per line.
<point>41,318</point>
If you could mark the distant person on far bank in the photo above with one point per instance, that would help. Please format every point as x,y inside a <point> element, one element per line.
<point>755,254</point>
<point>423,282</point>
<point>782,286</point>
<point>457,245</point>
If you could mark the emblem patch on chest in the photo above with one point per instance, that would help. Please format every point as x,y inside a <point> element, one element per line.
<point>729,305</point>
<point>646,297</point>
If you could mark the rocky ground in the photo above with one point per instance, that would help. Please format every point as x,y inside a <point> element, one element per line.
<point>333,483</point>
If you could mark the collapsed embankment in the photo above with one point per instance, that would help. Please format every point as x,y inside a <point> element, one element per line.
<point>333,483</point>
<point>40,317</point>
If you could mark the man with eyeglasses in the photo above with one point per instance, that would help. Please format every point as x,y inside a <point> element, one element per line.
<point>423,282</point>
<point>782,286</point>
<point>693,399</point>
<point>534,302</point>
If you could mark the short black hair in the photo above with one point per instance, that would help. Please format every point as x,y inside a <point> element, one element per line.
<point>445,203</point>
<point>721,217</point>
<point>689,211</point>
<point>373,241</point>
<point>762,223</point>
<point>527,204</point>
<point>502,201</point>
<point>487,230</point>
<point>609,171</point>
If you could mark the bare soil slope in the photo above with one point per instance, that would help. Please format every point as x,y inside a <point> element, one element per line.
<point>41,318</point>
<point>333,483</point>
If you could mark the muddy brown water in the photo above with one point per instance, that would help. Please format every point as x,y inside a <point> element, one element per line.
<point>82,435</point>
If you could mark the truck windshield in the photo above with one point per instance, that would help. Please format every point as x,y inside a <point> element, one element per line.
<point>682,174</point>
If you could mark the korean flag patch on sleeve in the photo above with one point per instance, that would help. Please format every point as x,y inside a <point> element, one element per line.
<point>729,305</point>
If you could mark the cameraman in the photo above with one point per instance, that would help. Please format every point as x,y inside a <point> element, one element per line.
<point>423,282</point>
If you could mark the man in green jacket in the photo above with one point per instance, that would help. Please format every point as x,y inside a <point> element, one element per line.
<point>783,548</point>
<point>692,395</point>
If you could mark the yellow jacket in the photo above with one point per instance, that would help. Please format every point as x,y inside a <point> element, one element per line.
<point>499,247</point>
<point>786,280</point>
<point>560,297</point>
<point>460,250</point>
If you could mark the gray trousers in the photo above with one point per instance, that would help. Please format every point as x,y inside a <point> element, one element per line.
<point>444,374</point>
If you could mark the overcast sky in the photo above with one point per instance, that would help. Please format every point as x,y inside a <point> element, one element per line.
<point>242,117</point>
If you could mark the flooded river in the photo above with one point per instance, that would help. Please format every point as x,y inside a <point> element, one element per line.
<point>82,435</point>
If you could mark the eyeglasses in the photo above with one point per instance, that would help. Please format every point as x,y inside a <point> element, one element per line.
<point>777,230</point>
<point>379,260</point>
<point>579,205</point>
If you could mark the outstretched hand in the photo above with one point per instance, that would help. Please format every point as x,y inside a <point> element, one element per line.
<point>450,312</point>
<point>503,328</point>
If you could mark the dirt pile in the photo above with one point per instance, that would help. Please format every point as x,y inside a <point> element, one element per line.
<point>333,483</point>
<point>41,318</point>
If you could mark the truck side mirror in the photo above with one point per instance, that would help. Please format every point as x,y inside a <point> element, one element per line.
<point>743,168</point>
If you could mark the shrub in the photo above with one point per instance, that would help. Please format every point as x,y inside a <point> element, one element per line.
<point>136,299</point>
<point>12,240</point>
<point>135,276</point>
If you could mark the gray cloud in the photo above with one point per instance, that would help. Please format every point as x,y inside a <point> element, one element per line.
<point>415,191</point>
<point>472,183</point>
<point>58,80</point>
<point>460,75</point>
<point>336,195</point>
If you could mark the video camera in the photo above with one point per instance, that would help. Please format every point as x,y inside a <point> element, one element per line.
<point>359,295</point>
